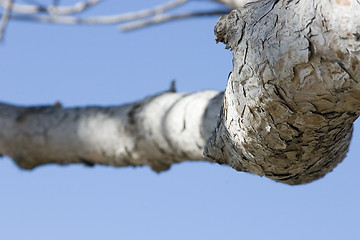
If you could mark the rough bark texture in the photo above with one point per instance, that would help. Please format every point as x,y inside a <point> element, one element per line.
<point>158,131</point>
<point>294,91</point>
<point>286,114</point>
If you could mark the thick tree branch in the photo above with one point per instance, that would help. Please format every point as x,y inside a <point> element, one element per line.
<point>287,111</point>
<point>294,91</point>
<point>157,131</point>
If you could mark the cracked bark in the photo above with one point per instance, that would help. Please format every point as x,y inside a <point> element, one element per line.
<point>286,114</point>
<point>293,93</point>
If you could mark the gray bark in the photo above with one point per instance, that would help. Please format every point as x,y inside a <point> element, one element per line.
<point>294,90</point>
<point>286,114</point>
<point>157,131</point>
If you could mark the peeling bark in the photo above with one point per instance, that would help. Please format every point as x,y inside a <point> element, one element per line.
<point>293,93</point>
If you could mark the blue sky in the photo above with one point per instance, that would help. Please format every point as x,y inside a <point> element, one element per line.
<point>96,65</point>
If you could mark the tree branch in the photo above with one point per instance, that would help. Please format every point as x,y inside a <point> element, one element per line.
<point>5,17</point>
<point>52,9</point>
<point>294,90</point>
<point>108,19</point>
<point>286,114</point>
<point>157,131</point>
<point>56,14</point>
<point>167,18</point>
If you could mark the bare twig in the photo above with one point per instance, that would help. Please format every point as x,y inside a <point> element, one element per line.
<point>109,19</point>
<point>52,9</point>
<point>113,19</point>
<point>81,6</point>
<point>57,14</point>
<point>166,18</point>
<point>5,17</point>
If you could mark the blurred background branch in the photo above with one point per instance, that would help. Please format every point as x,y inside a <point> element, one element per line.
<point>71,14</point>
<point>5,16</point>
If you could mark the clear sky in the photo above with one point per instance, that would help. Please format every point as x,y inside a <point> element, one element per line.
<point>96,65</point>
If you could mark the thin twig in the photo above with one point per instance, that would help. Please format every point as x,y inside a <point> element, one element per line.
<point>5,18</point>
<point>113,19</point>
<point>55,14</point>
<point>109,19</point>
<point>81,6</point>
<point>166,18</point>
<point>52,9</point>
